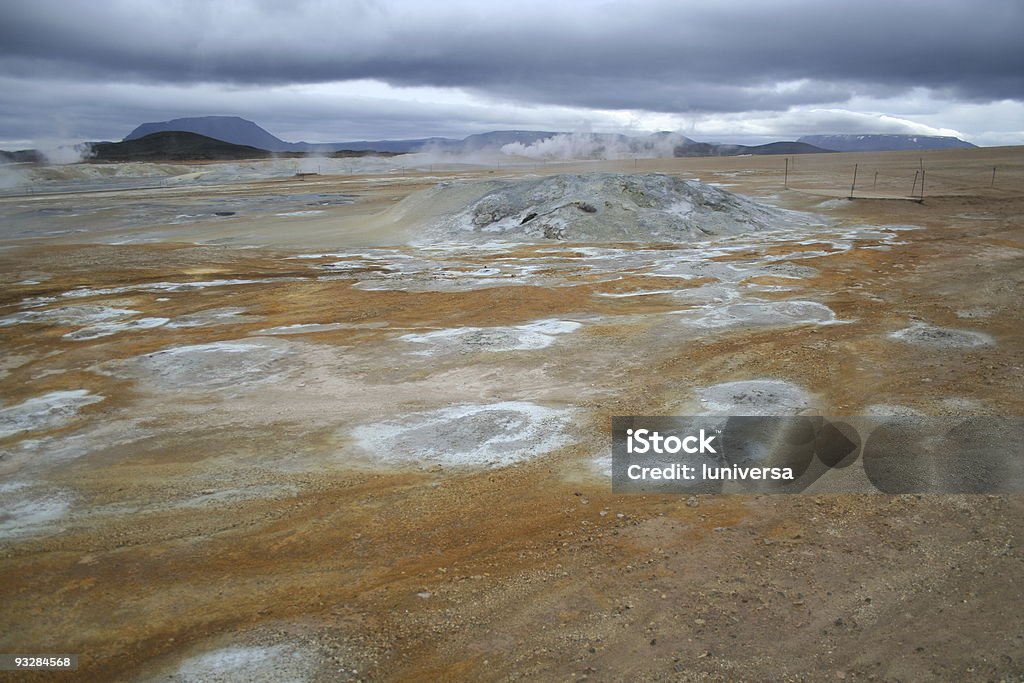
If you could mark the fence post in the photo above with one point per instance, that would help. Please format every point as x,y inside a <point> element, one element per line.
<point>922,185</point>
<point>874,185</point>
<point>785,182</point>
<point>854,184</point>
<point>913,190</point>
<point>993,176</point>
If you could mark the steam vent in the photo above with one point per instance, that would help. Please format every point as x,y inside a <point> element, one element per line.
<point>604,207</point>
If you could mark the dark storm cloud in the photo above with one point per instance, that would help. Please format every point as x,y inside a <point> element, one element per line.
<point>713,56</point>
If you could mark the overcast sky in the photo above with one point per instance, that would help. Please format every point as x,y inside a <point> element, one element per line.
<point>325,71</point>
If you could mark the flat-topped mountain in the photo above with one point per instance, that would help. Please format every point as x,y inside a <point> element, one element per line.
<point>232,129</point>
<point>883,142</point>
<point>174,146</point>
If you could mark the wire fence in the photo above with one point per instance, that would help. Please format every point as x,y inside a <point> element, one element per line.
<point>914,181</point>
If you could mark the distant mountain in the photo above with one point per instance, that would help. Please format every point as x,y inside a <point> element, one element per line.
<point>587,145</point>
<point>21,156</point>
<point>698,149</point>
<point>705,149</point>
<point>232,137</point>
<point>564,146</point>
<point>499,138</point>
<point>474,143</point>
<point>174,146</point>
<point>233,129</point>
<point>784,148</point>
<point>393,146</point>
<point>883,142</point>
<point>239,131</point>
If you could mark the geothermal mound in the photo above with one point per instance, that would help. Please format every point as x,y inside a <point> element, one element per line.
<point>598,207</point>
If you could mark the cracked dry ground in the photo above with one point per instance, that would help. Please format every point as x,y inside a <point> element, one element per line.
<point>236,513</point>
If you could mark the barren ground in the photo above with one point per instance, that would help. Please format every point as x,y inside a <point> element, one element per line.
<point>284,471</point>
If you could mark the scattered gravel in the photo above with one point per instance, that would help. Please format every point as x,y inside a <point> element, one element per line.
<point>252,664</point>
<point>942,337</point>
<point>754,397</point>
